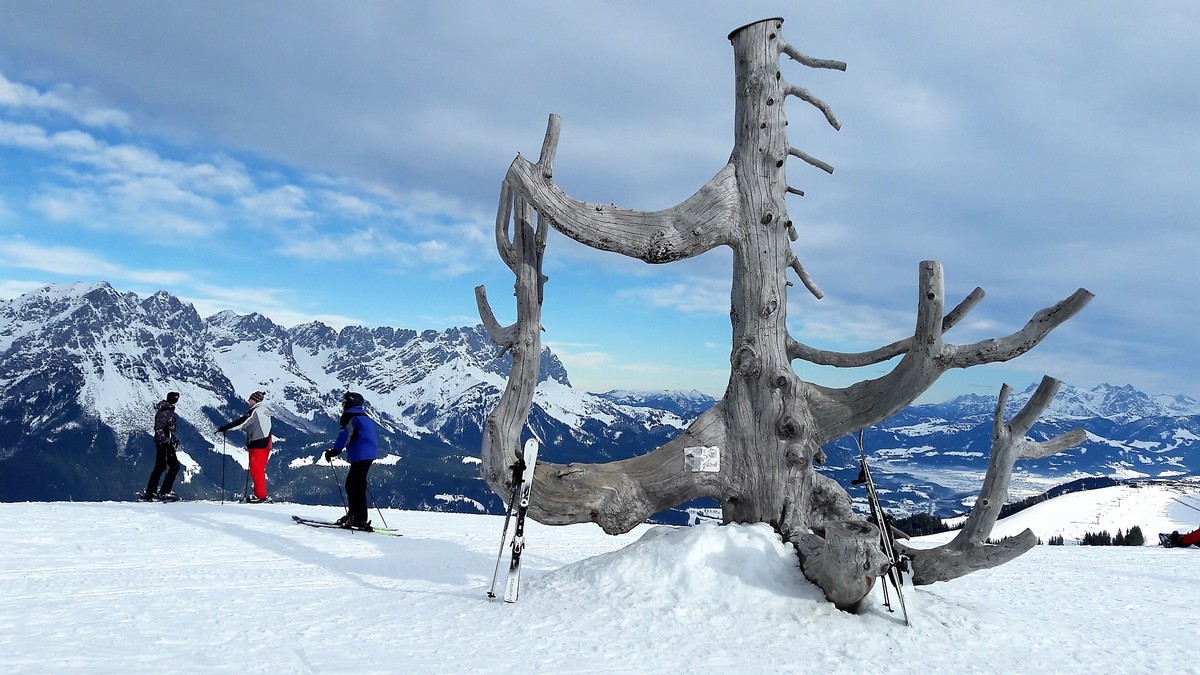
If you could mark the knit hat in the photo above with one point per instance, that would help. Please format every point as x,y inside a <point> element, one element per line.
<point>257,397</point>
<point>172,397</point>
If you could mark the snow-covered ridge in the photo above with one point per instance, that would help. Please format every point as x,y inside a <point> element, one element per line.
<point>1118,403</point>
<point>123,353</point>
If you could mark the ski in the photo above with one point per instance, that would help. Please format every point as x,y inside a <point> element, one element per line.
<point>898,563</point>
<point>386,531</point>
<point>517,469</point>
<point>141,497</point>
<point>529,456</point>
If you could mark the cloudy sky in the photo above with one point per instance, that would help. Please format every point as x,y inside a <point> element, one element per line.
<point>341,162</point>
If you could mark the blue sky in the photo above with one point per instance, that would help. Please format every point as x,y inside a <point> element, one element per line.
<point>341,162</point>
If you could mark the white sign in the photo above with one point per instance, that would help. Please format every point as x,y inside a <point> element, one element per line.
<point>705,458</point>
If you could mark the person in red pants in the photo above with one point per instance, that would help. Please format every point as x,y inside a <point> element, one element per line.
<point>256,422</point>
<point>1190,539</point>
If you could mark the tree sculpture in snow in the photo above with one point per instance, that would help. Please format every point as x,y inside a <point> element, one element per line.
<point>769,428</point>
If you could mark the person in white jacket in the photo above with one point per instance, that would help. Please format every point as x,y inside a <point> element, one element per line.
<point>257,425</point>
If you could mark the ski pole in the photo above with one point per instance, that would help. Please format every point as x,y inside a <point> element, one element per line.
<point>864,475</point>
<point>338,482</point>
<point>223,458</point>
<point>894,572</point>
<point>376,505</point>
<point>246,485</point>
<point>512,504</point>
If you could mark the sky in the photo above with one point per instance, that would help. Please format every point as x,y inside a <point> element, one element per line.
<point>207,587</point>
<point>341,162</point>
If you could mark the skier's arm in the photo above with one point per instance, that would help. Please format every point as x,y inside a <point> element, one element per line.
<point>236,423</point>
<point>343,437</point>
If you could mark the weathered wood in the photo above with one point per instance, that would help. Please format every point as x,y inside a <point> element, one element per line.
<point>769,427</point>
<point>969,551</point>
<point>845,562</point>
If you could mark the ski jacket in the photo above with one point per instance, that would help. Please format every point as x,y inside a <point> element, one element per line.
<point>358,435</point>
<point>257,425</point>
<point>164,424</point>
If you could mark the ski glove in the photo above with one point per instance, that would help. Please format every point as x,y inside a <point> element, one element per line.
<point>331,453</point>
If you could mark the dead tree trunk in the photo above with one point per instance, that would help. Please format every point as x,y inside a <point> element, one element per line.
<point>770,426</point>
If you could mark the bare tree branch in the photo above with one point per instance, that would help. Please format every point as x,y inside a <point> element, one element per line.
<point>827,168</point>
<point>809,61</point>
<point>619,495</point>
<point>503,336</point>
<point>837,412</point>
<point>794,263</point>
<point>1012,346</point>
<point>806,96</point>
<point>797,350</point>
<point>702,222</point>
<point>968,551</point>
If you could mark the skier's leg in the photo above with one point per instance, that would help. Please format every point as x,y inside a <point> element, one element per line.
<point>160,465</point>
<point>172,470</point>
<point>356,490</point>
<point>258,470</point>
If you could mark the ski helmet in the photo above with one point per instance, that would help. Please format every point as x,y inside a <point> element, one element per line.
<point>351,399</point>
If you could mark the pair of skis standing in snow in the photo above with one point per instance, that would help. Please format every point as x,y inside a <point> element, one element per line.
<point>522,485</point>
<point>518,504</point>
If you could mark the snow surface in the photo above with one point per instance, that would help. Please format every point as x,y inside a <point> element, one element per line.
<point>209,587</point>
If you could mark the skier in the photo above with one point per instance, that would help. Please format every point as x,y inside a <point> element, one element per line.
<point>166,443</point>
<point>1189,539</point>
<point>256,422</point>
<point>358,436</point>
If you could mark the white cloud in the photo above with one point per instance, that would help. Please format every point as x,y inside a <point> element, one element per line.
<point>695,295</point>
<point>279,304</point>
<point>287,202</point>
<point>79,264</point>
<point>63,99</point>
<point>12,288</point>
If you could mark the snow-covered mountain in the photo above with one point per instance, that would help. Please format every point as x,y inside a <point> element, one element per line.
<point>933,457</point>
<point>82,366</point>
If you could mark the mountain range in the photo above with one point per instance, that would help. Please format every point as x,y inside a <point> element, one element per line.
<point>83,365</point>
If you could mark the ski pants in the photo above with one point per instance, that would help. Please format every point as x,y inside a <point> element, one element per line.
<point>258,469</point>
<point>356,489</point>
<point>1190,538</point>
<point>166,460</point>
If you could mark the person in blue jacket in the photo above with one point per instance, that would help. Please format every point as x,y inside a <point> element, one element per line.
<point>358,437</point>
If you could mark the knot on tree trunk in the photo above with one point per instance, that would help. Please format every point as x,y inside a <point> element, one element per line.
<point>845,563</point>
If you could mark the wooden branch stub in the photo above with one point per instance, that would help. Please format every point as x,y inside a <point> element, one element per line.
<point>809,159</point>
<point>845,562</point>
<point>806,96</point>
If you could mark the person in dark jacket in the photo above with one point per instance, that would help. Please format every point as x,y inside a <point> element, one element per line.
<point>256,422</point>
<point>359,438</point>
<point>166,443</point>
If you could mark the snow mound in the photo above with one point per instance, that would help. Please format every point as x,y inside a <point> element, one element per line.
<point>673,563</point>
